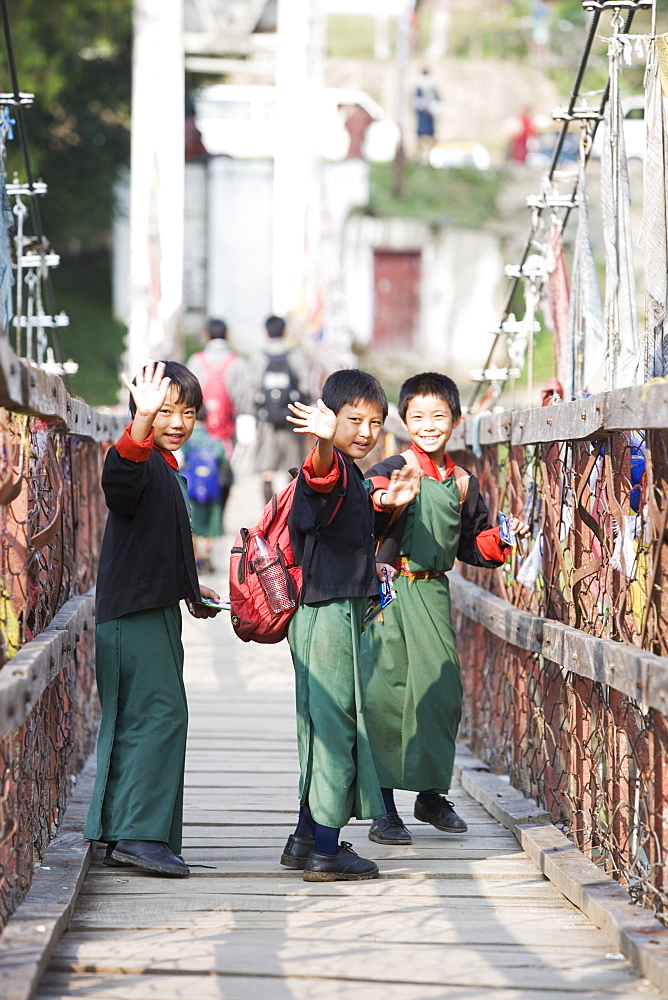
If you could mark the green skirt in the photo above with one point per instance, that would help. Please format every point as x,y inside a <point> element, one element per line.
<point>206,519</point>
<point>338,777</point>
<point>138,792</point>
<point>413,704</point>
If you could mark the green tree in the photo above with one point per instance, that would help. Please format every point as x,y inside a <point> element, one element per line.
<point>75,56</point>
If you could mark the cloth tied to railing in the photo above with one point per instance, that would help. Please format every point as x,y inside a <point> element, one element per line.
<point>623,362</point>
<point>585,318</point>
<point>558,293</point>
<point>654,233</point>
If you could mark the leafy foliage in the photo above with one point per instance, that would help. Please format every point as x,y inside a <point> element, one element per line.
<point>75,56</point>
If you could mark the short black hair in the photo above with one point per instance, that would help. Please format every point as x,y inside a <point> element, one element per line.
<point>189,389</point>
<point>217,329</point>
<point>350,386</point>
<point>275,326</point>
<point>430,384</point>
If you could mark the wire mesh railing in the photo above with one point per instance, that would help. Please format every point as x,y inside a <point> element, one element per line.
<point>51,521</point>
<point>566,682</point>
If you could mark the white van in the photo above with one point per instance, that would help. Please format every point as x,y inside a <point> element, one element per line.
<point>239,120</point>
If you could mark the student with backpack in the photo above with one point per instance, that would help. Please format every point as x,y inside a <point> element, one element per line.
<point>279,376</point>
<point>208,473</point>
<point>223,376</point>
<point>338,776</point>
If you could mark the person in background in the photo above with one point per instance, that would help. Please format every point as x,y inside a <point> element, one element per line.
<point>224,379</point>
<point>426,104</point>
<point>279,376</point>
<point>208,474</point>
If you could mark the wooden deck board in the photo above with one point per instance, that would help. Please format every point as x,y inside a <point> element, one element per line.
<point>465,917</point>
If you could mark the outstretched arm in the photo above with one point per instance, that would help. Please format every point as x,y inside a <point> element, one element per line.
<point>321,421</point>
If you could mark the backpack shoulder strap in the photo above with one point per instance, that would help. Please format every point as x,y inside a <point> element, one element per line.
<point>462,478</point>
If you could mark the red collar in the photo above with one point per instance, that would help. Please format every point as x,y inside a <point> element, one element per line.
<point>168,457</point>
<point>428,467</point>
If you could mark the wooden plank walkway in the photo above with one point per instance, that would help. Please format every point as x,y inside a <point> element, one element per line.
<point>465,917</point>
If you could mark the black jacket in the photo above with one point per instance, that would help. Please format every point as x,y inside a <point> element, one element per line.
<point>343,563</point>
<point>147,559</point>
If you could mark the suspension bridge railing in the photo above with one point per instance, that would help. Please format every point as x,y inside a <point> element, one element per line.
<point>51,521</point>
<point>564,649</point>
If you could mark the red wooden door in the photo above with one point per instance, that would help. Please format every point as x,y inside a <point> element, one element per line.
<point>396,285</point>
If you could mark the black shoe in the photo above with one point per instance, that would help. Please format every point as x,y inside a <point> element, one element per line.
<point>389,830</point>
<point>151,855</point>
<point>296,851</point>
<point>111,862</point>
<point>344,866</point>
<point>440,813</point>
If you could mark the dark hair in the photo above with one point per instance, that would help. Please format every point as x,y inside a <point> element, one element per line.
<point>275,326</point>
<point>430,384</point>
<point>217,329</point>
<point>182,379</point>
<point>350,386</point>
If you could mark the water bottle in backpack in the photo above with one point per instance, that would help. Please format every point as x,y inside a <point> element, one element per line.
<point>272,575</point>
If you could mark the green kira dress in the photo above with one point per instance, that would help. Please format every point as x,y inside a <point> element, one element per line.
<point>410,667</point>
<point>141,749</point>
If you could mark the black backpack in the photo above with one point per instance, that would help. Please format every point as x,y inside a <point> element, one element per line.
<point>277,389</point>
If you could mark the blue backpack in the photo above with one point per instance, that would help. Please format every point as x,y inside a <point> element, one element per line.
<point>201,474</point>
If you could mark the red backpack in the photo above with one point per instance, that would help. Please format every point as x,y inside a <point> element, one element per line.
<point>252,618</point>
<point>220,412</point>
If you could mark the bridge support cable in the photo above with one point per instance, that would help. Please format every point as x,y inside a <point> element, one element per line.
<point>35,312</point>
<point>492,375</point>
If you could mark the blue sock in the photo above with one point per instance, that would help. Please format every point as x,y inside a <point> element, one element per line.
<point>305,823</point>
<point>326,839</point>
<point>428,797</point>
<point>388,799</point>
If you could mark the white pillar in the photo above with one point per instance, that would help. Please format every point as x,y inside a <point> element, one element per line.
<point>294,158</point>
<point>156,182</point>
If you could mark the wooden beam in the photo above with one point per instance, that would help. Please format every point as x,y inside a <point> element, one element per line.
<point>25,388</point>
<point>639,407</point>
<point>634,672</point>
<point>24,678</point>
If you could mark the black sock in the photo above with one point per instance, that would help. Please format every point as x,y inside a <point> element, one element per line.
<point>326,839</point>
<point>388,799</point>
<point>305,824</point>
<point>428,797</point>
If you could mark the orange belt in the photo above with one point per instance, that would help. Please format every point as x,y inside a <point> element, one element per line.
<point>403,568</point>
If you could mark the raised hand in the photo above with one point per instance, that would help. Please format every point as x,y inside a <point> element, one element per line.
<point>150,388</point>
<point>404,486</point>
<point>318,420</point>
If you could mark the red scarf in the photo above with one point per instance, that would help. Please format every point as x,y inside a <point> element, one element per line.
<point>428,467</point>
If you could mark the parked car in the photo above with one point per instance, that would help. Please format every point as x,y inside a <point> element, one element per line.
<point>460,154</point>
<point>633,109</point>
<point>541,146</point>
<point>240,121</point>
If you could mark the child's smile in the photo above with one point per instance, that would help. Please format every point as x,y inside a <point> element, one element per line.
<point>358,428</point>
<point>174,423</point>
<point>430,425</point>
